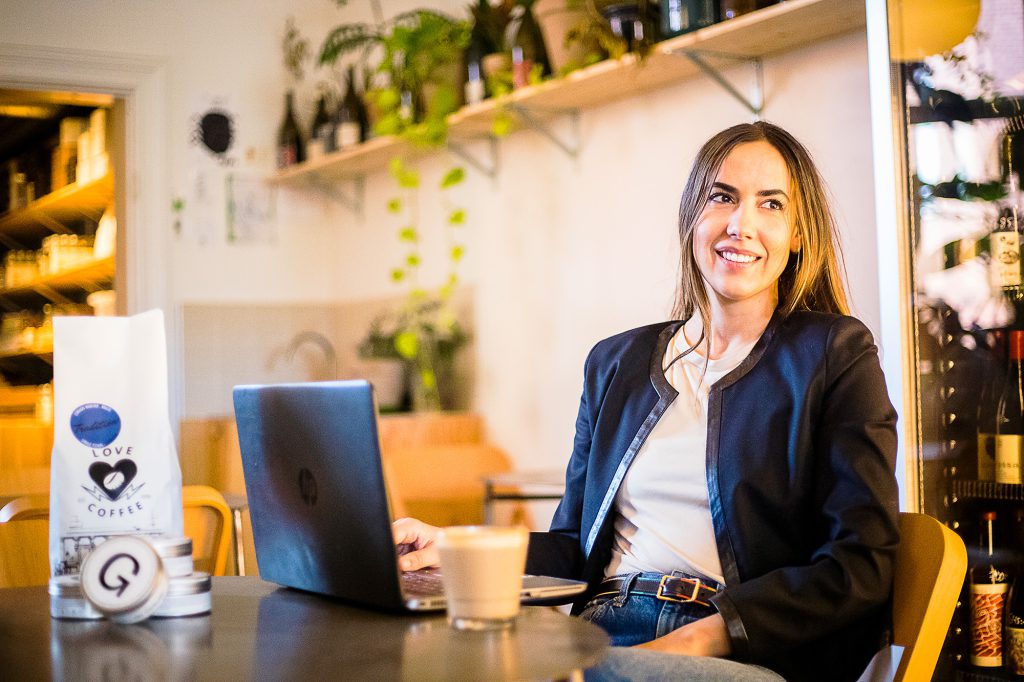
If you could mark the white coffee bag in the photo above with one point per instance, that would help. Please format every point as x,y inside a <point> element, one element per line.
<point>114,468</point>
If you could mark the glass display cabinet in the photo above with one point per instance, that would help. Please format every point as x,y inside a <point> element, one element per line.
<point>947,79</point>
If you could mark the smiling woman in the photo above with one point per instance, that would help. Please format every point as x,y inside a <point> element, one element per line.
<point>731,491</point>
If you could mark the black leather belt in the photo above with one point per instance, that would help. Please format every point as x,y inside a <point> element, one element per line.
<point>667,588</point>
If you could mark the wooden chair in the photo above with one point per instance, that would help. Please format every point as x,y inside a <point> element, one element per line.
<point>207,520</point>
<point>24,547</point>
<point>930,567</point>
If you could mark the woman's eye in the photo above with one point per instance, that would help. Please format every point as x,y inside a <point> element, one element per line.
<point>774,204</point>
<point>719,198</point>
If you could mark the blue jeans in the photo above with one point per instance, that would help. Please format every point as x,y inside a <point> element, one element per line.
<point>631,619</point>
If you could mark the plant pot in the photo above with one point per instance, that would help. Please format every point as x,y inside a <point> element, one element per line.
<point>388,377</point>
<point>556,18</point>
<point>449,76</point>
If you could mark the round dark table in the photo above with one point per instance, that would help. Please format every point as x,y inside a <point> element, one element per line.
<point>260,631</point>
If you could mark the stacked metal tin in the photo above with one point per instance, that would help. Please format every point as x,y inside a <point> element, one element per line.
<point>130,578</point>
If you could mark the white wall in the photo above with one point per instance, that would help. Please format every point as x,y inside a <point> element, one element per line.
<point>561,251</point>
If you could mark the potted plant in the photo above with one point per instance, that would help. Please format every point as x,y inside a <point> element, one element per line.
<point>556,19</point>
<point>382,364</point>
<point>600,38</point>
<point>420,52</point>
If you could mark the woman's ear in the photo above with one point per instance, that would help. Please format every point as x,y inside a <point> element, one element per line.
<point>794,245</point>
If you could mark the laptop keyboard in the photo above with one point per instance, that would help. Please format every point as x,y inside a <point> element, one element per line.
<point>422,583</point>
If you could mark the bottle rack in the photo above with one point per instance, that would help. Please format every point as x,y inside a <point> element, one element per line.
<point>952,368</point>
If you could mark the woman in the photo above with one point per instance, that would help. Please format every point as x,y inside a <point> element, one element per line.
<point>731,491</point>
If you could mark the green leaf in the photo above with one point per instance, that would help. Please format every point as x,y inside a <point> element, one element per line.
<point>407,344</point>
<point>408,234</point>
<point>394,205</point>
<point>453,177</point>
<point>502,126</point>
<point>457,217</point>
<point>389,124</point>
<point>397,274</point>
<point>536,74</point>
<point>410,179</point>
<point>412,260</point>
<point>345,39</point>
<point>386,99</point>
<point>428,378</point>
<point>407,178</point>
<point>457,252</point>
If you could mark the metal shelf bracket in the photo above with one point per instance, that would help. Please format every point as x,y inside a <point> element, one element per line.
<point>570,146</point>
<point>754,103</point>
<point>488,167</point>
<point>353,201</point>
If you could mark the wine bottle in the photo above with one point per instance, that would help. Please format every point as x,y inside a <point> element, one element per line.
<point>480,45</point>
<point>351,122</point>
<point>527,46</point>
<point>1013,623</point>
<point>1012,151</point>
<point>319,131</point>
<point>988,405</point>
<point>683,16</point>
<point>290,147</point>
<point>1010,422</point>
<point>989,584</point>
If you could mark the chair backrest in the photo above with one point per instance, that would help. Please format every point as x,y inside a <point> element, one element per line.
<point>24,547</point>
<point>930,567</point>
<point>207,521</point>
<point>25,508</point>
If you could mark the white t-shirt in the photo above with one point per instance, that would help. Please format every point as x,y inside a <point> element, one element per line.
<point>663,521</point>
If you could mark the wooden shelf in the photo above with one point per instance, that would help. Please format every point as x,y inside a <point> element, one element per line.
<point>772,30</point>
<point>66,204</point>
<point>88,276</point>
<point>44,354</point>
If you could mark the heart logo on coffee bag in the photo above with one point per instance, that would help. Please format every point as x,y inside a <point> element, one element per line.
<point>113,479</point>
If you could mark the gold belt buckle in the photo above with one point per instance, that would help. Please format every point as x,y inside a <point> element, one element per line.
<point>668,597</point>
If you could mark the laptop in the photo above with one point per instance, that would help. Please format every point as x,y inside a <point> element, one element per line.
<point>318,500</point>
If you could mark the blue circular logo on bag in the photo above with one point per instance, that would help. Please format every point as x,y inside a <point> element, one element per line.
<point>95,425</point>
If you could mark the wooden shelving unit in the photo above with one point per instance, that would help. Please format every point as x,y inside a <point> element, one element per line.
<point>89,276</point>
<point>47,214</point>
<point>772,30</point>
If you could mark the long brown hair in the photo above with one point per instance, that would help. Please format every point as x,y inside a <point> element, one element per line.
<point>813,277</point>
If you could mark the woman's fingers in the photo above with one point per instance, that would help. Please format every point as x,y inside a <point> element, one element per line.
<point>415,542</point>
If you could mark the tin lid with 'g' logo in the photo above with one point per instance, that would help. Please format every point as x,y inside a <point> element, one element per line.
<point>124,579</point>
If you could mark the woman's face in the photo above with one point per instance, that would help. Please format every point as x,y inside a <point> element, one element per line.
<point>744,235</point>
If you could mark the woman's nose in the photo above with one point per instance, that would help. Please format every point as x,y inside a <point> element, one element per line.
<point>741,223</point>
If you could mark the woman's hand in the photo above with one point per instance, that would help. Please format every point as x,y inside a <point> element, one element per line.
<point>415,542</point>
<point>705,637</point>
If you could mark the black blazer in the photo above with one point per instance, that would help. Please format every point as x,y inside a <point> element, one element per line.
<point>801,452</point>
